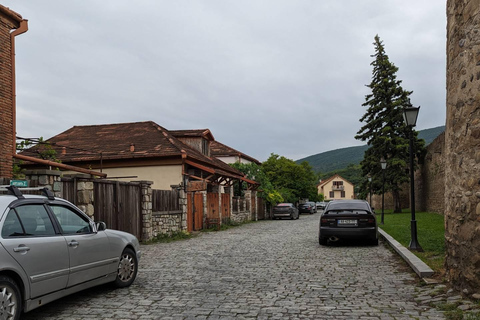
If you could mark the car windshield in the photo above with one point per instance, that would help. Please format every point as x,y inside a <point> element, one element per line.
<point>284,205</point>
<point>348,206</point>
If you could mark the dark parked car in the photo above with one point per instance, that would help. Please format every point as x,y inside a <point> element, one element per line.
<point>348,219</point>
<point>285,210</point>
<point>49,249</point>
<point>307,207</point>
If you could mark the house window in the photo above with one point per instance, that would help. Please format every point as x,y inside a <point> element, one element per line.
<point>205,148</point>
<point>338,183</point>
<point>332,194</point>
<point>342,194</point>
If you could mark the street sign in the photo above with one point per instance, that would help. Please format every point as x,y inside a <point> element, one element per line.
<point>19,183</point>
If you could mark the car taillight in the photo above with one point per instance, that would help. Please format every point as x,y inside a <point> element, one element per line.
<point>368,221</point>
<point>325,221</point>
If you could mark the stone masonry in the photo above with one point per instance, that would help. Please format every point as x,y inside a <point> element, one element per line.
<point>462,166</point>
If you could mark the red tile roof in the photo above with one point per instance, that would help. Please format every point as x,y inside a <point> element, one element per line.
<point>10,13</point>
<point>124,141</point>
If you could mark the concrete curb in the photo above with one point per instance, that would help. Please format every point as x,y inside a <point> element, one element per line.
<point>415,263</point>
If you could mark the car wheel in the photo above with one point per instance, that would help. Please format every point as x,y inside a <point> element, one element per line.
<point>10,299</point>
<point>374,242</point>
<point>322,241</point>
<point>127,268</point>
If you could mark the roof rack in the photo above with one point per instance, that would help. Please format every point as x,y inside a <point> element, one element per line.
<point>17,192</point>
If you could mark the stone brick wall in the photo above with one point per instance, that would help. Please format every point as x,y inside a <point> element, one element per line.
<point>462,148</point>
<point>430,178</point>
<point>7,78</point>
<point>167,223</point>
<point>429,183</point>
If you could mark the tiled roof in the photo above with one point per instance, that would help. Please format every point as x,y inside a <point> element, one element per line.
<point>124,141</point>
<point>10,13</point>
<point>218,149</point>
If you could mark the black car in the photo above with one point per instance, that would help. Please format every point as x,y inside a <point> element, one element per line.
<point>348,219</point>
<point>285,210</point>
<point>307,207</point>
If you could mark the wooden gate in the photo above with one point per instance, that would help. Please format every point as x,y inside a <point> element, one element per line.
<point>194,211</point>
<point>253,209</point>
<point>213,206</point>
<point>119,206</point>
<point>260,209</point>
<point>226,212</point>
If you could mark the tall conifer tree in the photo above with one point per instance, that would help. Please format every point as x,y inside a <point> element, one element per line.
<point>384,129</point>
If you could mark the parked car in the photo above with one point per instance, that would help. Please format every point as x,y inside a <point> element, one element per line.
<point>49,249</point>
<point>285,210</point>
<point>348,219</point>
<point>307,207</point>
<point>321,205</point>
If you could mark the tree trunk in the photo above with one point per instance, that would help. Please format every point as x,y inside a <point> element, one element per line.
<point>397,206</point>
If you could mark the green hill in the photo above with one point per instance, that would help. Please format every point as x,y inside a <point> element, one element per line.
<point>340,159</point>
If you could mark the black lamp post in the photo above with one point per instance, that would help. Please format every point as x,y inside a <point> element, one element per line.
<point>383,163</point>
<point>410,115</point>
<point>370,185</point>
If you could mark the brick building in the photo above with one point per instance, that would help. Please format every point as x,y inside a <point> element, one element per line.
<point>9,20</point>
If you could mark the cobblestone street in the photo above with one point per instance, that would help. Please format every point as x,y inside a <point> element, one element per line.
<point>263,270</point>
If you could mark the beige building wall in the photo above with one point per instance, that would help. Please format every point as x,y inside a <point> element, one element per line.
<point>162,176</point>
<point>233,159</point>
<point>330,186</point>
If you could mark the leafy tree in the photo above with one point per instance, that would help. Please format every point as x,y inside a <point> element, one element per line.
<point>256,173</point>
<point>293,181</point>
<point>384,129</point>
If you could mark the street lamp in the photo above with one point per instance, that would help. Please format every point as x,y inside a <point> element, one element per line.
<point>410,115</point>
<point>383,163</point>
<point>370,185</point>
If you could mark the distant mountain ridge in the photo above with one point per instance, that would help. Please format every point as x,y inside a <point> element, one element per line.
<point>340,158</point>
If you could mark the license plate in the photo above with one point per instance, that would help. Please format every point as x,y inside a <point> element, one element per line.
<point>347,222</point>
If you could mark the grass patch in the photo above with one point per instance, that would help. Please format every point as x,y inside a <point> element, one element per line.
<point>430,234</point>
<point>175,236</point>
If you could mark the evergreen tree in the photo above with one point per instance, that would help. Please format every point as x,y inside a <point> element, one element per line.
<point>384,129</point>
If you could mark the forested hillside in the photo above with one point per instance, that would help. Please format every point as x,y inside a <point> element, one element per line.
<point>340,159</point>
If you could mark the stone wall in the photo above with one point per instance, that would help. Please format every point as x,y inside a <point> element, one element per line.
<point>429,183</point>
<point>430,178</point>
<point>462,148</point>
<point>167,223</point>
<point>389,205</point>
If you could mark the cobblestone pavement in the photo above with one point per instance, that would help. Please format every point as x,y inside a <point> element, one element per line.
<point>263,270</point>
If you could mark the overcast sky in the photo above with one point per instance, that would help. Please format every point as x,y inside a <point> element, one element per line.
<point>281,76</point>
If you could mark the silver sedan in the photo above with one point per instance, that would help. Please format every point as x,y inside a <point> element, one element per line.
<point>49,249</point>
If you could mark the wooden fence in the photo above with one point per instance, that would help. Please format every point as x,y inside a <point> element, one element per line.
<point>118,204</point>
<point>165,201</point>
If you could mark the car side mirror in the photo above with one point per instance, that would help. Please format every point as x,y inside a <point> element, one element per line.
<point>101,226</point>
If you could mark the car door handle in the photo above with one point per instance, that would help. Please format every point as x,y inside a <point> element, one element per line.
<point>73,243</point>
<point>21,249</point>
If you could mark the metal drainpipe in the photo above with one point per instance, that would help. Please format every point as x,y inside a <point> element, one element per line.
<point>22,29</point>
